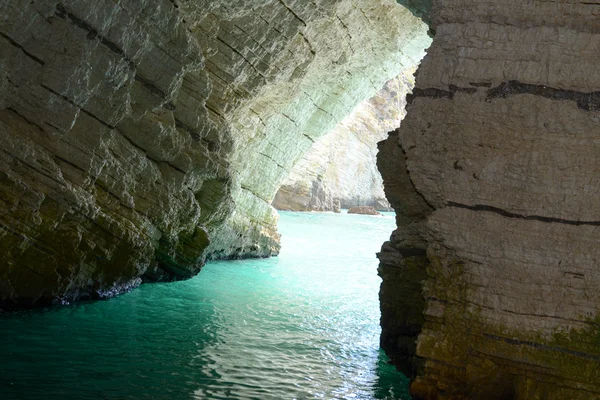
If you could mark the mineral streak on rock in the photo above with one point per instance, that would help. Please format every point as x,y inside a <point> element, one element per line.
<point>141,137</point>
<point>340,169</point>
<point>490,281</point>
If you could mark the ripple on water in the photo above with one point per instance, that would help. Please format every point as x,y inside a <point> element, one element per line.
<point>304,325</point>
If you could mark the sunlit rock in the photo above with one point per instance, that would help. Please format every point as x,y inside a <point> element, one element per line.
<point>340,169</point>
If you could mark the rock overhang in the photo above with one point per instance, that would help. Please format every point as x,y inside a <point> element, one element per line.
<point>140,138</point>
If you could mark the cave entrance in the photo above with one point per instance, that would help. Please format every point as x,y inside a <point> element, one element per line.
<point>243,91</point>
<point>339,171</point>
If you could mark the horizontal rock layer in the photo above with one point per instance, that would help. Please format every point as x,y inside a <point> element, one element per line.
<point>141,137</point>
<point>494,176</point>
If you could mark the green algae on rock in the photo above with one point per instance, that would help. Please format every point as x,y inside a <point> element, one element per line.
<point>498,147</point>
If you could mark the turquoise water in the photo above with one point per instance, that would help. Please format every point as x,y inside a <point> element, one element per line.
<point>304,325</point>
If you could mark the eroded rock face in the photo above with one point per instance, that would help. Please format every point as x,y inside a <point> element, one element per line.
<point>140,137</point>
<point>493,175</point>
<point>340,168</point>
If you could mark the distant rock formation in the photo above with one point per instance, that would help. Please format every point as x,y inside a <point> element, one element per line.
<point>364,210</point>
<point>340,169</point>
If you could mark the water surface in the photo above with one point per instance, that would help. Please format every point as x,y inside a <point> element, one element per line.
<point>304,325</point>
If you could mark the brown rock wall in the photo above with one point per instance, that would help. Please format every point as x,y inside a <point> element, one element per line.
<point>500,140</point>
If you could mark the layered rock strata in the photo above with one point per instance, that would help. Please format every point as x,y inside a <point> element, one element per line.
<point>490,282</point>
<point>141,137</point>
<point>340,168</point>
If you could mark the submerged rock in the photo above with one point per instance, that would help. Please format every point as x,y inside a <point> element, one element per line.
<point>365,210</point>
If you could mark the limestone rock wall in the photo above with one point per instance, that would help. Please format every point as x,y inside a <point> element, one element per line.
<point>339,170</point>
<point>140,137</point>
<point>311,84</point>
<point>494,177</point>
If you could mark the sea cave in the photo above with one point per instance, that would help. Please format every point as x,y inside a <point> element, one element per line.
<point>144,139</point>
